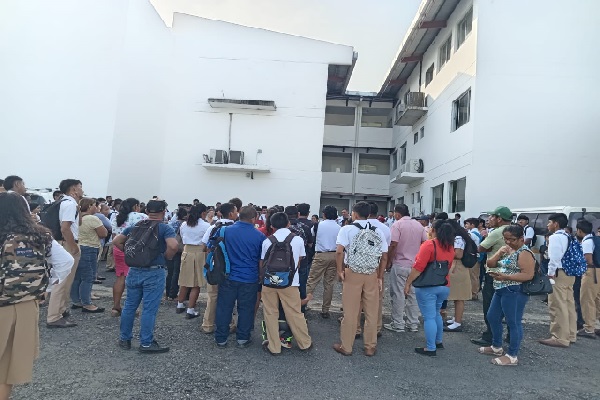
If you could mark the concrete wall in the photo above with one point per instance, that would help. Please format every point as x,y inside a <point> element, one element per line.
<point>537,123</point>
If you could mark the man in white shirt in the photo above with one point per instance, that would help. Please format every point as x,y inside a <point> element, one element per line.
<point>359,286</point>
<point>342,217</point>
<point>389,221</point>
<point>289,296</point>
<point>471,225</point>
<point>69,217</point>
<point>323,265</point>
<point>590,287</point>
<point>528,231</point>
<point>563,317</point>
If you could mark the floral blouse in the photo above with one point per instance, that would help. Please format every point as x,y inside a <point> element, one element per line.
<point>508,265</point>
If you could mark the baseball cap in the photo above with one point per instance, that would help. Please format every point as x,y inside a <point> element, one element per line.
<point>502,212</point>
<point>156,206</point>
<point>422,218</point>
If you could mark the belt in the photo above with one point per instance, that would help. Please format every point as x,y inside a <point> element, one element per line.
<point>318,252</point>
<point>151,267</point>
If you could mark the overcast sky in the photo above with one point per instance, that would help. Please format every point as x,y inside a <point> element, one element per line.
<point>374,28</point>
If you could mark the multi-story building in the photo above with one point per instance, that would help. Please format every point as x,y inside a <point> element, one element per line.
<point>492,104</point>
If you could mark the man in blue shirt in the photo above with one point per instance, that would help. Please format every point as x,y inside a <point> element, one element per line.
<point>243,242</point>
<point>146,283</point>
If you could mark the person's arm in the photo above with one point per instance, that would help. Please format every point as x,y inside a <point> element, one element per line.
<point>71,245</point>
<point>261,271</point>
<point>526,264</point>
<point>481,249</point>
<point>381,271</point>
<point>172,248</point>
<point>61,262</point>
<point>589,260</point>
<point>555,253</point>
<point>458,253</point>
<point>102,232</point>
<point>339,261</point>
<point>529,233</point>
<point>392,253</point>
<point>119,241</point>
<point>492,262</point>
<point>422,259</point>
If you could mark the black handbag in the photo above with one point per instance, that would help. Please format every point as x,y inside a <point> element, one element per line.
<point>435,273</point>
<point>539,285</point>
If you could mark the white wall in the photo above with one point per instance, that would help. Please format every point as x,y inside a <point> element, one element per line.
<point>537,119</point>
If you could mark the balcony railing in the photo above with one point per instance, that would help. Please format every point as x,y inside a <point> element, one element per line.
<point>412,108</point>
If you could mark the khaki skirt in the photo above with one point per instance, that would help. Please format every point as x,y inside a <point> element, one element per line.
<point>192,265</point>
<point>19,342</point>
<point>460,282</point>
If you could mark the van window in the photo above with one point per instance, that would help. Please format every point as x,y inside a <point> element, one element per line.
<point>593,217</point>
<point>541,223</point>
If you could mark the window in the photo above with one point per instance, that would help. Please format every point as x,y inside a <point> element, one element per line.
<point>445,51</point>
<point>461,110</point>
<point>394,160</point>
<point>464,28</point>
<point>422,132</point>
<point>403,154</point>
<point>429,75</point>
<point>437,193</point>
<point>418,197</point>
<point>401,200</point>
<point>337,162</point>
<point>378,164</point>
<point>416,137</point>
<point>412,198</point>
<point>457,195</point>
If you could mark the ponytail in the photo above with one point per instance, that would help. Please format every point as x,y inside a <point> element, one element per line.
<point>126,208</point>
<point>444,233</point>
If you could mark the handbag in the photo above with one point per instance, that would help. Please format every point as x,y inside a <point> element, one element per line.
<point>435,273</point>
<point>539,285</point>
<point>179,240</point>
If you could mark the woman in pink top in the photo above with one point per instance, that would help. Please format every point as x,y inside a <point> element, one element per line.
<point>430,299</point>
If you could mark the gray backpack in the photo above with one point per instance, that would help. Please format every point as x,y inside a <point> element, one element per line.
<point>364,252</point>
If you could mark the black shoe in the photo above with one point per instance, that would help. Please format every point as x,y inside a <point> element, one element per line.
<point>66,314</point>
<point>180,310</point>
<point>325,315</point>
<point>459,329</point>
<point>243,345</point>
<point>481,342</point>
<point>222,345</point>
<point>75,307</point>
<point>379,334</point>
<point>424,352</point>
<point>101,278</point>
<point>97,282</point>
<point>96,311</point>
<point>191,316</point>
<point>125,344</point>
<point>439,346</point>
<point>265,347</point>
<point>153,348</point>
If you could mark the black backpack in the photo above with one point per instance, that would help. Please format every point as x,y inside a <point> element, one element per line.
<point>596,253</point>
<point>50,218</point>
<point>279,263</point>
<point>217,267</point>
<point>470,256</point>
<point>142,247</point>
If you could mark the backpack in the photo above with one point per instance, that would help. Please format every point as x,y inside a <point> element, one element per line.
<point>364,252</point>
<point>573,262</point>
<point>481,255</point>
<point>50,219</point>
<point>279,266</point>
<point>212,238</point>
<point>534,238</point>
<point>24,272</point>
<point>141,247</point>
<point>297,228</point>
<point>596,253</point>
<point>217,266</point>
<point>470,255</point>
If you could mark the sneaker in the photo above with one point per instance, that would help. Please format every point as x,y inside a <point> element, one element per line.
<point>192,316</point>
<point>180,310</point>
<point>242,344</point>
<point>413,329</point>
<point>125,344</point>
<point>392,327</point>
<point>153,347</point>
<point>285,343</point>
<point>586,334</point>
<point>61,323</point>
<point>222,345</point>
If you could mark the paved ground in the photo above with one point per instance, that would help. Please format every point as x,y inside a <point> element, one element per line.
<point>85,363</point>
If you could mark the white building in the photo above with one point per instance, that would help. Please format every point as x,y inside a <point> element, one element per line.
<point>493,105</point>
<point>110,93</point>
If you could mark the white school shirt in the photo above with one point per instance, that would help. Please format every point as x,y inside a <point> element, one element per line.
<point>348,232</point>
<point>68,212</point>
<point>297,249</point>
<point>193,235</point>
<point>459,242</point>
<point>61,262</point>
<point>208,231</point>
<point>557,246</point>
<point>384,228</point>
<point>587,244</point>
<point>327,233</point>
<point>474,235</point>
<point>529,232</point>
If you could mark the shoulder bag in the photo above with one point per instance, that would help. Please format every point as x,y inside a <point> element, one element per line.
<point>435,273</point>
<point>539,285</point>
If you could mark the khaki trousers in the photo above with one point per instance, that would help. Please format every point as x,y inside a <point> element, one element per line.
<point>474,275</point>
<point>323,267</point>
<point>208,321</point>
<point>110,260</point>
<point>290,301</point>
<point>563,318</point>
<point>589,297</point>
<point>357,289</point>
<point>61,293</point>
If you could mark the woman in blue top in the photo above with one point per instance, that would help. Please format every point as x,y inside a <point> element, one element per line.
<point>512,265</point>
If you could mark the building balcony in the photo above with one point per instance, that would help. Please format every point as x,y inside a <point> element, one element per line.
<point>336,182</point>
<point>335,135</point>
<point>410,172</point>
<point>372,184</point>
<point>411,109</point>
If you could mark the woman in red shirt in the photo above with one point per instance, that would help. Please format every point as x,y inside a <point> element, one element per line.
<point>267,229</point>
<point>430,299</point>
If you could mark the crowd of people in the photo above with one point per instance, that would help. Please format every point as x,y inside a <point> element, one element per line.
<point>275,258</point>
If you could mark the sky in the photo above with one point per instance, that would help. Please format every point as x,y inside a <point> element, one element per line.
<point>375,29</point>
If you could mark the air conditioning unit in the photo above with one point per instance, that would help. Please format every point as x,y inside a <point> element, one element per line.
<point>218,156</point>
<point>236,157</point>
<point>414,165</point>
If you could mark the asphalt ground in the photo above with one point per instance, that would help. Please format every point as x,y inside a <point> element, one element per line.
<point>85,363</point>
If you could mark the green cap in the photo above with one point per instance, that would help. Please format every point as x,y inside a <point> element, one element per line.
<point>502,212</point>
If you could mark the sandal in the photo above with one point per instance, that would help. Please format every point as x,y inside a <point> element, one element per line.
<point>115,312</point>
<point>490,351</point>
<point>505,360</point>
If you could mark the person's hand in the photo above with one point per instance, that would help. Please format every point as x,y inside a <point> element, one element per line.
<point>380,283</point>
<point>74,250</point>
<point>341,275</point>
<point>504,250</point>
<point>497,276</point>
<point>388,268</point>
<point>407,290</point>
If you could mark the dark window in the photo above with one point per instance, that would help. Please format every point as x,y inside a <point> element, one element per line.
<point>457,195</point>
<point>461,110</point>
<point>464,28</point>
<point>429,75</point>
<point>445,52</point>
<point>416,137</point>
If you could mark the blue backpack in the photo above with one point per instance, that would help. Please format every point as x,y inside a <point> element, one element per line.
<point>481,255</point>
<point>573,262</point>
<point>217,267</point>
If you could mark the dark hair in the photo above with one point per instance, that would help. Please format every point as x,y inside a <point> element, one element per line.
<point>523,216</point>
<point>126,208</point>
<point>444,233</point>
<point>66,184</point>
<point>196,200</point>
<point>473,221</point>
<point>33,206</point>
<point>457,215</point>
<point>292,211</point>
<point>9,181</point>
<point>85,204</point>
<point>460,231</point>
<point>330,212</point>
<point>362,208</point>
<point>279,220</point>
<point>195,214</point>
<point>182,212</point>
<point>16,218</point>
<point>515,230</point>
<point>585,226</point>
<point>442,216</point>
<point>269,229</point>
<point>56,193</point>
<point>236,202</point>
<point>560,218</point>
<point>402,209</point>
<point>304,209</point>
<point>481,222</point>
<point>315,216</point>
<point>247,213</point>
<point>116,202</point>
<point>374,208</point>
<point>226,209</point>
